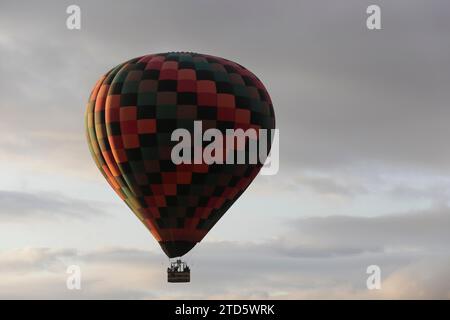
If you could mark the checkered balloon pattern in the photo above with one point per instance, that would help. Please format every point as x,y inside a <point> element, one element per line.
<point>133,110</point>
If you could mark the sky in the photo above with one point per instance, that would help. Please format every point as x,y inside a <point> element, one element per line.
<point>364,156</point>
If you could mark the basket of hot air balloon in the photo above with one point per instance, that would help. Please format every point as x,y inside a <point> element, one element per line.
<point>178,271</point>
<point>131,115</point>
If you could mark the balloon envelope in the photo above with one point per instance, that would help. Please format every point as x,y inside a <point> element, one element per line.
<point>132,112</point>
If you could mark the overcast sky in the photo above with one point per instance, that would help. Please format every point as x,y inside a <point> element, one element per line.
<point>365,159</point>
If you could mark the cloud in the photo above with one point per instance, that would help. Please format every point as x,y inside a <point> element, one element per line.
<point>315,258</point>
<point>438,193</point>
<point>424,279</point>
<point>30,259</point>
<point>329,186</point>
<point>19,206</point>
<point>135,274</point>
<point>421,230</point>
<point>343,96</point>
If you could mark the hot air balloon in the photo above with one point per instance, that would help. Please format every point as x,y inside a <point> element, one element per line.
<point>131,115</point>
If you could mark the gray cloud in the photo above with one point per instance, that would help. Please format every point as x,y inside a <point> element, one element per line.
<point>316,258</point>
<point>32,259</point>
<point>344,96</point>
<point>437,194</point>
<point>420,231</point>
<point>21,206</point>
<point>330,186</point>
